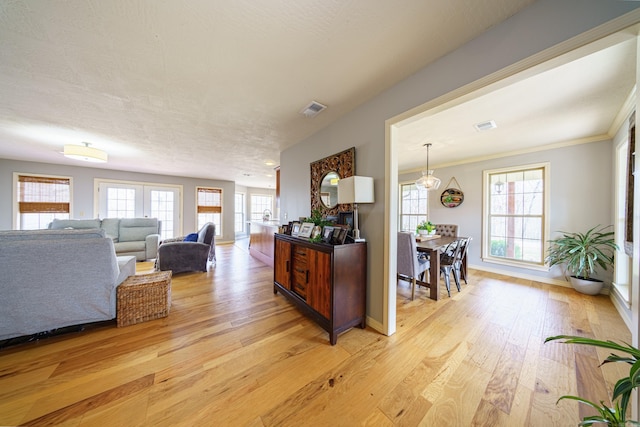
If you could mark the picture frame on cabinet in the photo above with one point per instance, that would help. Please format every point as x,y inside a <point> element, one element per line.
<point>346,218</point>
<point>295,228</point>
<point>342,235</point>
<point>327,233</point>
<point>305,229</point>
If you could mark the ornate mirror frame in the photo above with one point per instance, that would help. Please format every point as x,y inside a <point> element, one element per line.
<point>344,163</point>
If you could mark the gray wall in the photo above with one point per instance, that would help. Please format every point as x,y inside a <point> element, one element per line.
<point>83,193</point>
<point>581,178</point>
<point>544,24</point>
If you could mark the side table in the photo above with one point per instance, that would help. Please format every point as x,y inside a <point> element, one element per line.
<point>143,297</point>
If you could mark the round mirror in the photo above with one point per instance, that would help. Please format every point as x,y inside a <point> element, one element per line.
<point>329,189</point>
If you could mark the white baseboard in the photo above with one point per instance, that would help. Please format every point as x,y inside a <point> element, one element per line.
<point>520,275</point>
<point>374,324</point>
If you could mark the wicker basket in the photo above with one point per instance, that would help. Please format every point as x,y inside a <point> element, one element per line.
<point>143,297</point>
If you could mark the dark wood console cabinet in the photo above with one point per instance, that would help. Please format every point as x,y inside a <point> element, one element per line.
<point>326,282</point>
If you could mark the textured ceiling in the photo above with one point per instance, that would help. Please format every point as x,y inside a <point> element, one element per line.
<point>209,88</point>
<point>579,97</point>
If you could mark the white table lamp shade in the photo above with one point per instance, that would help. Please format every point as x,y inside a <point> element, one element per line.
<point>355,189</point>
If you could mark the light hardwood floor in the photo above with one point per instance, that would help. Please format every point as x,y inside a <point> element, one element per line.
<point>231,353</point>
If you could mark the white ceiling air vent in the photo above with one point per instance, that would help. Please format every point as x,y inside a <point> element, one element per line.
<point>488,125</point>
<point>313,109</point>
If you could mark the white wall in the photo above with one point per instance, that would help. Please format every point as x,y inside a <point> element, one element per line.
<point>544,24</point>
<point>83,194</point>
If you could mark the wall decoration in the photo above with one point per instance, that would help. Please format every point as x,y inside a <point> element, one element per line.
<point>452,197</point>
<point>323,173</point>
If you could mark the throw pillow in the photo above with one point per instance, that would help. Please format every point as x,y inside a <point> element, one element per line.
<point>193,237</point>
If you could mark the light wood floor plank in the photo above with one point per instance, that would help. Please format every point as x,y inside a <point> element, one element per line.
<point>231,353</point>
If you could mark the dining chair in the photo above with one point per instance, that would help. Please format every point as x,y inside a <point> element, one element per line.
<point>411,267</point>
<point>448,259</point>
<point>447,230</point>
<point>457,265</point>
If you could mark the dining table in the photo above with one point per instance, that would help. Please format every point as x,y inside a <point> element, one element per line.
<point>432,248</point>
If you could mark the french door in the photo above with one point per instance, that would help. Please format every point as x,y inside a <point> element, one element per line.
<point>133,200</point>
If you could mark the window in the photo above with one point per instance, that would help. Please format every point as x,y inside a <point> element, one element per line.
<point>516,204</point>
<point>130,199</point>
<point>239,213</point>
<point>40,199</point>
<point>209,207</point>
<point>259,203</point>
<point>121,202</point>
<point>413,206</point>
<point>162,207</point>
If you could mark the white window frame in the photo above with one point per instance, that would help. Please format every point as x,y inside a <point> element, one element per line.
<point>142,192</point>
<point>242,209</point>
<point>486,216</point>
<point>623,270</point>
<point>400,205</point>
<point>252,211</point>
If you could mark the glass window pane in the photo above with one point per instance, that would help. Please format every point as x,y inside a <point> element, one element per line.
<point>413,207</point>
<point>260,203</point>
<point>516,209</point>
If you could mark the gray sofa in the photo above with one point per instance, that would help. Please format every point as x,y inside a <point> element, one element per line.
<point>56,278</point>
<point>131,236</point>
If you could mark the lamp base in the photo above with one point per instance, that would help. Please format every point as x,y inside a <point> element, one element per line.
<point>359,240</point>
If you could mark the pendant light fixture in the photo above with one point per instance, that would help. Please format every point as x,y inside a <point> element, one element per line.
<point>427,180</point>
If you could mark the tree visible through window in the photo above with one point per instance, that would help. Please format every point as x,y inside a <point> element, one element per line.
<point>413,206</point>
<point>41,199</point>
<point>515,214</point>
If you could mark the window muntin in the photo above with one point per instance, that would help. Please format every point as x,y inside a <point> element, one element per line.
<point>121,202</point>
<point>413,206</point>
<point>515,218</point>
<point>40,199</point>
<point>259,203</point>
<point>209,207</point>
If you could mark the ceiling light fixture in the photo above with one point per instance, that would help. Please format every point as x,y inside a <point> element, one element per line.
<point>85,153</point>
<point>313,109</point>
<point>428,181</point>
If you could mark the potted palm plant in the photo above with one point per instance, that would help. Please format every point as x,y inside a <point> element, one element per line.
<point>581,253</point>
<point>616,415</point>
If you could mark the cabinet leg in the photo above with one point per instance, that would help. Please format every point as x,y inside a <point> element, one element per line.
<point>333,338</point>
<point>275,290</point>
